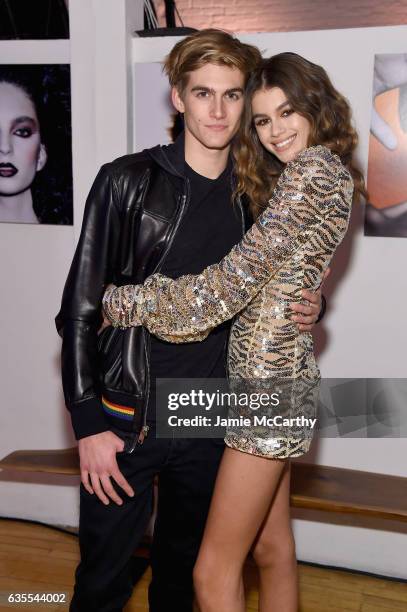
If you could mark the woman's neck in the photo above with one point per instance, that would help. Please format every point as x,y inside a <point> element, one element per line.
<point>17,208</point>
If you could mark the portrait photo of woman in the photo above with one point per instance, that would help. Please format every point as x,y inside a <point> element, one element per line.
<point>35,145</point>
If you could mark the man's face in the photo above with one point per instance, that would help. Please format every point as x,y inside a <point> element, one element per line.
<point>212,103</point>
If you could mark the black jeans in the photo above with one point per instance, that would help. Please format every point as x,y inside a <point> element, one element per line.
<point>108,535</point>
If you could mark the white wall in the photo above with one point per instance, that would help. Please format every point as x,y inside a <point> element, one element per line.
<point>363,334</point>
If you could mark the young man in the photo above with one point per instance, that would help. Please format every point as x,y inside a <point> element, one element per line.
<point>167,209</point>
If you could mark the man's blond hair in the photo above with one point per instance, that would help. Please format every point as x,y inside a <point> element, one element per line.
<point>209,46</point>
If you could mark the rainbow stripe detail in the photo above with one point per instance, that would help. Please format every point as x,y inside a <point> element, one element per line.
<point>116,410</point>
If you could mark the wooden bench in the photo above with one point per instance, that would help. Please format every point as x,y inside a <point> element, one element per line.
<point>316,487</point>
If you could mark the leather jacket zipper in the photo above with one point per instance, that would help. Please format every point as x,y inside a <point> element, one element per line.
<point>244,229</point>
<point>239,203</point>
<point>143,434</point>
<point>145,428</point>
<point>139,439</point>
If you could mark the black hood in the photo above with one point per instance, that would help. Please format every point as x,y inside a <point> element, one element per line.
<point>172,157</point>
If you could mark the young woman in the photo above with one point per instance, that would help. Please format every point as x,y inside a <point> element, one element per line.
<point>294,162</point>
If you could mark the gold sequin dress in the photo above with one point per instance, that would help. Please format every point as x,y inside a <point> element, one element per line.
<point>287,249</point>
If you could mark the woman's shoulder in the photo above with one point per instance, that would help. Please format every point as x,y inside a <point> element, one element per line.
<point>317,160</point>
<point>316,153</point>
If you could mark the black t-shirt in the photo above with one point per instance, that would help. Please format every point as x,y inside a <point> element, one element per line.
<point>210,227</point>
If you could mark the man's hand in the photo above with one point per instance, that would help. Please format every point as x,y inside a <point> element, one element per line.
<point>307,314</point>
<point>98,464</point>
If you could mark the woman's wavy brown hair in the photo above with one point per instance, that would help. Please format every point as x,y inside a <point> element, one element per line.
<point>311,94</point>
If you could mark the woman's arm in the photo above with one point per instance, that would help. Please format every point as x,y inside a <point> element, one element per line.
<point>186,309</point>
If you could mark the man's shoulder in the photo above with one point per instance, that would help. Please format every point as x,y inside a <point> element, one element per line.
<point>131,164</point>
<point>166,158</point>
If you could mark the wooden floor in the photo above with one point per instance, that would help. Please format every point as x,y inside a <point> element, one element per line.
<point>36,559</point>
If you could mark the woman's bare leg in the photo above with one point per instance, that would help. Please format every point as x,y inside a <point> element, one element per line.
<point>244,488</point>
<point>274,553</point>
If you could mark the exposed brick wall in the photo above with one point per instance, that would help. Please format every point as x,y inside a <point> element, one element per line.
<point>287,15</point>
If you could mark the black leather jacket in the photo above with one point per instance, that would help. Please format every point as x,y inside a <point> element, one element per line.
<point>131,216</point>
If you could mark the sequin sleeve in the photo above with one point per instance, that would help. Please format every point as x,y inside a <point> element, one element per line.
<point>186,309</point>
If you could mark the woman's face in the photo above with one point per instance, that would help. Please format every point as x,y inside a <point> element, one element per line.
<point>280,129</point>
<point>21,151</point>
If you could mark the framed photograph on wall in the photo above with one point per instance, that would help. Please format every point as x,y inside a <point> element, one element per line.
<point>35,144</point>
<point>386,212</point>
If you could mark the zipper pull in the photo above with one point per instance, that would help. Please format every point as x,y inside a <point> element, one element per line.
<point>143,434</point>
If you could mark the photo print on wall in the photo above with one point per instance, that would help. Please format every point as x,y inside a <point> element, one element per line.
<point>35,144</point>
<point>386,211</point>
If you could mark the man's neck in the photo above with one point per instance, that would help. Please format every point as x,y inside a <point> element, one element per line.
<point>206,162</point>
